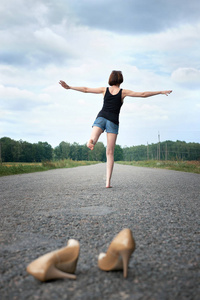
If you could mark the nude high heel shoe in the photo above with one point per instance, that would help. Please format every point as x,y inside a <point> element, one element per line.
<point>56,264</point>
<point>118,253</point>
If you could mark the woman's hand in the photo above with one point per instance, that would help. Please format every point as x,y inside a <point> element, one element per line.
<point>64,85</point>
<point>166,92</point>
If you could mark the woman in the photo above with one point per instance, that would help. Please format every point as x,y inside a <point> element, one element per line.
<point>108,117</point>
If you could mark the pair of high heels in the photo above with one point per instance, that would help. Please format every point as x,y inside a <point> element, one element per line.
<point>62,263</point>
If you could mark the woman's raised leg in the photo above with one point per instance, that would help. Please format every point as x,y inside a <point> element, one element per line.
<point>111,141</point>
<point>96,132</point>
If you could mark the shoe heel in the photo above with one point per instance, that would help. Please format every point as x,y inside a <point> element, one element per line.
<point>125,254</point>
<point>54,273</point>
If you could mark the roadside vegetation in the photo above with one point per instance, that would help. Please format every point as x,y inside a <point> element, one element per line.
<point>21,168</point>
<point>184,166</point>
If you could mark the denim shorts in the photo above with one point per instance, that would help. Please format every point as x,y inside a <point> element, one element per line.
<point>107,125</point>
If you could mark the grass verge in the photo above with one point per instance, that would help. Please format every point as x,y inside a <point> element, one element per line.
<point>184,166</point>
<point>21,168</point>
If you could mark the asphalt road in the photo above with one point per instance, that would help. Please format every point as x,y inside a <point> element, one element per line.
<point>41,211</point>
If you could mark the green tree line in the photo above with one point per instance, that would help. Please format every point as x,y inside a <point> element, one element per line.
<point>22,151</point>
<point>167,150</point>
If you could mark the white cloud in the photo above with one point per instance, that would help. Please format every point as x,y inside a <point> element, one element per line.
<point>21,100</point>
<point>50,42</point>
<point>189,77</point>
<point>145,112</point>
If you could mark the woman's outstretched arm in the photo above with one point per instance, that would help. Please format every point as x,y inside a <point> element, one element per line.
<point>130,93</point>
<point>100,90</point>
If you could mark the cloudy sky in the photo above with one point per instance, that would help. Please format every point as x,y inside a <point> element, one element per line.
<point>154,42</point>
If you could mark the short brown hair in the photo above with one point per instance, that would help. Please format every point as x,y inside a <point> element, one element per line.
<point>116,78</point>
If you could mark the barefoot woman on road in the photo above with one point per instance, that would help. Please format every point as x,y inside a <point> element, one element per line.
<point>108,118</point>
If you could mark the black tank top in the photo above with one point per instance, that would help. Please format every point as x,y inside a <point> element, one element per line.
<point>111,106</point>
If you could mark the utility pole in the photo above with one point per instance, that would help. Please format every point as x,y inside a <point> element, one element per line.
<point>0,154</point>
<point>147,151</point>
<point>158,149</point>
<point>166,151</point>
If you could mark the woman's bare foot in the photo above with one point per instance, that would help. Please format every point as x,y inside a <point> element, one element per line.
<point>108,186</point>
<point>90,144</point>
